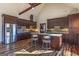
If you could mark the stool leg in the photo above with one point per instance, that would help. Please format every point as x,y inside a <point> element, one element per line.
<point>46,45</point>
<point>42,45</point>
<point>49,46</point>
<point>32,43</point>
<point>35,43</point>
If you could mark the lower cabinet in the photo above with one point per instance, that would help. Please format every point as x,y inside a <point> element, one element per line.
<point>56,42</point>
<point>22,36</point>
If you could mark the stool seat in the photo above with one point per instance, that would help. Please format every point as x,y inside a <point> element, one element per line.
<point>46,37</point>
<point>46,41</point>
<point>35,36</point>
<point>34,39</point>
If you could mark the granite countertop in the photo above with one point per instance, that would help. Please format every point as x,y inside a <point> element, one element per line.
<point>52,34</point>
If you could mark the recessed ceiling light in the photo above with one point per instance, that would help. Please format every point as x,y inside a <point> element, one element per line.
<point>32,8</point>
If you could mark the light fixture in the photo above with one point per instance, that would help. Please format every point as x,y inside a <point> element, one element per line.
<point>32,8</point>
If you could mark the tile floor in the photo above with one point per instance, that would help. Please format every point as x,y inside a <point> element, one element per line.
<point>8,50</point>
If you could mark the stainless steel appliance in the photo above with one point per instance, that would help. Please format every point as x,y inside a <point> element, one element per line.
<point>10,33</point>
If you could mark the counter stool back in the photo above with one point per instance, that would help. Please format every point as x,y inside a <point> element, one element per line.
<point>46,42</point>
<point>34,40</point>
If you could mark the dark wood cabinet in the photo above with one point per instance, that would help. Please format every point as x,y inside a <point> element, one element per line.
<point>74,23</point>
<point>27,23</point>
<point>9,19</point>
<point>56,42</point>
<point>74,28</point>
<point>22,22</point>
<point>33,24</point>
<point>73,35</point>
<point>22,36</point>
<point>19,21</point>
<point>62,22</point>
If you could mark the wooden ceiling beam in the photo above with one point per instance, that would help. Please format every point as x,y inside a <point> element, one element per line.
<point>32,6</point>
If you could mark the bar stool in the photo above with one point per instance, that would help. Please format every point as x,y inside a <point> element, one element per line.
<point>46,42</point>
<point>34,40</point>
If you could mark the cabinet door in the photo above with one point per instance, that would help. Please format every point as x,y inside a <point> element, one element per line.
<point>34,25</point>
<point>28,24</point>
<point>74,23</point>
<point>50,24</point>
<point>56,42</point>
<point>74,27</point>
<point>19,22</point>
<point>22,22</point>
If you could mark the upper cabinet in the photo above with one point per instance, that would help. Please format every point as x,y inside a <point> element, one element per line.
<point>22,22</point>
<point>9,19</point>
<point>33,24</point>
<point>62,22</point>
<point>74,23</point>
<point>19,21</point>
<point>27,23</point>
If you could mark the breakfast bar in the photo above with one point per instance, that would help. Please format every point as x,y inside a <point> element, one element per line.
<point>56,40</point>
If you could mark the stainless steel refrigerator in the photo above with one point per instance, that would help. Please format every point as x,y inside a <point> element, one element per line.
<point>10,33</point>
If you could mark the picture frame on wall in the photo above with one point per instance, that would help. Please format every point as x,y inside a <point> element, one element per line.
<point>42,27</point>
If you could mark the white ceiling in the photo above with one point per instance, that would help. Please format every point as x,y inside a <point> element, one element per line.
<point>15,8</point>
<point>38,9</point>
<point>21,6</point>
<point>74,5</point>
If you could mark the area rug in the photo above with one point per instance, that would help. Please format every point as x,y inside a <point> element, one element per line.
<point>36,51</point>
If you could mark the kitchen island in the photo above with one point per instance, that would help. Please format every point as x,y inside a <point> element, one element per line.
<point>56,39</point>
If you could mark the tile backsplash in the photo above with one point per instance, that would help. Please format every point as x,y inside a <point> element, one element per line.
<point>58,30</point>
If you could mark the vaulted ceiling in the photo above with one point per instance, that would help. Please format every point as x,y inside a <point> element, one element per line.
<point>22,6</point>
<point>32,5</point>
<point>54,5</point>
<point>16,8</point>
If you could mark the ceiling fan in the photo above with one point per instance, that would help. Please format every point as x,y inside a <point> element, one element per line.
<point>32,5</point>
